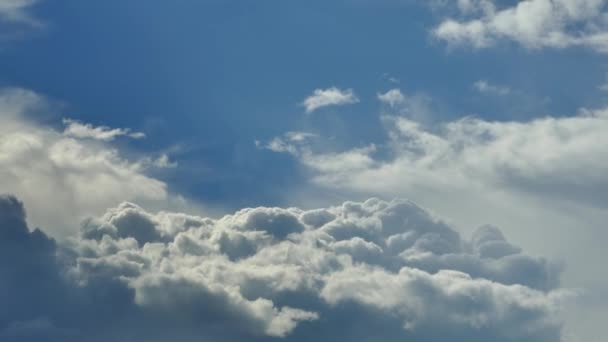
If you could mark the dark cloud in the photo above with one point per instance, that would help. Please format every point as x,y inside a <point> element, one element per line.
<point>360,271</point>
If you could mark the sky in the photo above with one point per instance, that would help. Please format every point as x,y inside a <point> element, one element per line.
<point>286,170</point>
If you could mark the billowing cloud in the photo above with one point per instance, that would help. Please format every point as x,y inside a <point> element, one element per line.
<point>534,24</point>
<point>361,270</point>
<point>329,97</point>
<point>82,177</point>
<point>507,172</point>
<point>80,130</point>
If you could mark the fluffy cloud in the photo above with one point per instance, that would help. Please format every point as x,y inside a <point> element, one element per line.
<point>329,97</point>
<point>472,171</point>
<point>43,166</point>
<point>534,24</point>
<point>360,271</point>
<point>80,130</point>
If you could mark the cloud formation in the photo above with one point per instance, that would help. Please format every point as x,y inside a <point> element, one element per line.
<point>44,166</point>
<point>80,130</point>
<point>534,24</point>
<point>473,171</point>
<point>564,157</point>
<point>361,270</point>
<point>329,97</point>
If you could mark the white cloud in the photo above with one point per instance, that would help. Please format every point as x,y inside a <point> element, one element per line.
<point>355,159</point>
<point>392,97</point>
<point>81,177</point>
<point>563,156</point>
<point>390,268</point>
<point>164,162</point>
<point>534,24</point>
<point>513,173</point>
<point>485,87</point>
<point>329,97</point>
<point>80,130</point>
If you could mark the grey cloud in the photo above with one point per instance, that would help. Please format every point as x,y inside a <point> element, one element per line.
<point>360,271</point>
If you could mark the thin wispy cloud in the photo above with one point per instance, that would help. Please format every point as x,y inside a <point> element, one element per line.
<point>87,131</point>
<point>486,87</point>
<point>17,11</point>
<point>329,97</point>
<point>392,97</point>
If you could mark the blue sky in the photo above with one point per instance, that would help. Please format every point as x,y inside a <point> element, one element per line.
<point>214,76</point>
<point>480,111</point>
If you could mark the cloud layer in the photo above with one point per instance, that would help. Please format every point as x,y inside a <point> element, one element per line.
<point>561,156</point>
<point>389,269</point>
<point>534,24</point>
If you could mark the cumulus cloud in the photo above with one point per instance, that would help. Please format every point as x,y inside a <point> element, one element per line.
<point>534,24</point>
<point>360,270</point>
<point>44,166</point>
<point>80,130</point>
<point>329,97</point>
<point>473,171</point>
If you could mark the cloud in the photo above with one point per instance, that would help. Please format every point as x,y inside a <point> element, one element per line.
<point>16,11</point>
<point>392,97</point>
<point>79,130</point>
<point>485,87</point>
<point>417,106</point>
<point>474,171</point>
<point>534,24</point>
<point>17,19</point>
<point>329,97</point>
<point>82,176</point>
<point>564,157</point>
<point>360,270</point>
<point>287,142</point>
